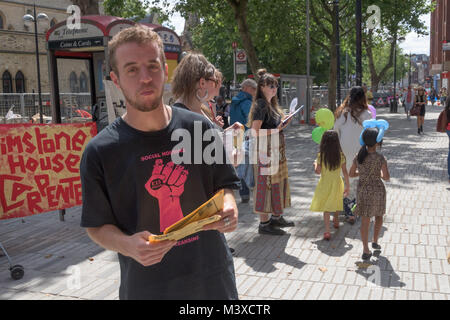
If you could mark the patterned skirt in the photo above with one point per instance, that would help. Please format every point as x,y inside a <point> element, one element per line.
<point>271,193</point>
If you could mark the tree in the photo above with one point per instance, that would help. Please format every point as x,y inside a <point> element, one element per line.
<point>87,7</point>
<point>398,17</point>
<point>134,9</point>
<point>324,23</point>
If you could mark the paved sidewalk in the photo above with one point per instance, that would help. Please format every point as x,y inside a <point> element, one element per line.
<point>412,264</point>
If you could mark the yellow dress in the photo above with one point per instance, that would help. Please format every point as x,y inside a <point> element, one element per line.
<point>328,196</point>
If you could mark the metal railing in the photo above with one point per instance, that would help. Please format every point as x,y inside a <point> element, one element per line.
<point>75,107</point>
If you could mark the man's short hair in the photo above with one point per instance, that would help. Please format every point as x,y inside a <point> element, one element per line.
<point>249,83</point>
<point>137,34</point>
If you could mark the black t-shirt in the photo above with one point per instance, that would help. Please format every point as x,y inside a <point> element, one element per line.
<point>262,112</point>
<point>129,180</point>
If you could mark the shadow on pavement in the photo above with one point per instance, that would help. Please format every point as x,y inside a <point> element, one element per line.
<point>263,258</point>
<point>379,271</point>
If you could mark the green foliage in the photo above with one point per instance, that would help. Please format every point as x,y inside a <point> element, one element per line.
<point>134,9</point>
<point>277,29</point>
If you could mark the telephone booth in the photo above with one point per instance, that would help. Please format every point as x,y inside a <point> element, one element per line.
<point>70,50</point>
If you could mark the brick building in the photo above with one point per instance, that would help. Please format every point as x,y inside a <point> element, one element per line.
<point>440,44</point>
<point>18,50</point>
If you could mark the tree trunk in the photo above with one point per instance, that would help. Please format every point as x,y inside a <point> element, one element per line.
<point>240,14</point>
<point>375,77</point>
<point>87,7</point>
<point>332,78</point>
<point>332,85</point>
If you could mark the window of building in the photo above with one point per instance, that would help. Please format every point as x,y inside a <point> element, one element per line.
<point>7,82</point>
<point>2,21</point>
<point>73,82</point>
<point>83,82</point>
<point>20,82</point>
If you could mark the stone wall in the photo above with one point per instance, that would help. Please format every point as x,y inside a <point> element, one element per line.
<point>17,46</point>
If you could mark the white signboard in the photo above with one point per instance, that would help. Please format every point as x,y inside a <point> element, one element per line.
<point>446,46</point>
<point>118,27</point>
<point>115,101</point>
<point>168,37</point>
<point>241,68</point>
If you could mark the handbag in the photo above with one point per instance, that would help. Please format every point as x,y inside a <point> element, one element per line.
<point>441,125</point>
<point>415,110</point>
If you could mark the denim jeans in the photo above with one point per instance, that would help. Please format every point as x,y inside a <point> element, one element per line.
<point>448,159</point>
<point>244,191</point>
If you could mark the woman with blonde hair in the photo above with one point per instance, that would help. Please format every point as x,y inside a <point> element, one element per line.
<point>271,193</point>
<point>195,82</point>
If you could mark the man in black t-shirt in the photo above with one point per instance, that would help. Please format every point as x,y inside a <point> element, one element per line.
<point>133,186</point>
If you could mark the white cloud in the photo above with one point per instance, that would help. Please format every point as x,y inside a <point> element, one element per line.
<point>178,22</point>
<point>415,43</point>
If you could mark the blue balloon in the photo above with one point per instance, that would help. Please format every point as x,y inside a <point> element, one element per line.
<point>382,126</point>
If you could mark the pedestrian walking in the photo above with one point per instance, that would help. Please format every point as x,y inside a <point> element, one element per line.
<point>443,96</point>
<point>443,125</point>
<point>132,189</point>
<point>271,193</point>
<point>421,102</point>
<point>433,96</point>
<point>239,111</point>
<point>330,189</point>
<point>223,110</point>
<point>409,101</point>
<point>371,167</point>
<point>349,118</point>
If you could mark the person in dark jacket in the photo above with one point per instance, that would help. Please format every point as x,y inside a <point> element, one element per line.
<point>239,110</point>
<point>240,104</point>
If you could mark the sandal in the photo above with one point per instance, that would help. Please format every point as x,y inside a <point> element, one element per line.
<point>366,256</point>
<point>376,246</point>
<point>326,236</point>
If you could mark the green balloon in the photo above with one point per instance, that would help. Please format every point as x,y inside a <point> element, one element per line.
<point>325,118</point>
<point>317,134</point>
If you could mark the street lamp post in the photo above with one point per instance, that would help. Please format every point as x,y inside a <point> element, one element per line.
<point>395,106</point>
<point>338,53</point>
<point>358,42</point>
<point>28,20</point>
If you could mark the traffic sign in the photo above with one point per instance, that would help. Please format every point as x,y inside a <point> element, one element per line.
<point>241,56</point>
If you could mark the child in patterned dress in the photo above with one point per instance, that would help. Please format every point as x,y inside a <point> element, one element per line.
<point>371,167</point>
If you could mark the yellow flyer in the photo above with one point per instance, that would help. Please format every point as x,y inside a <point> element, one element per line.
<point>194,222</point>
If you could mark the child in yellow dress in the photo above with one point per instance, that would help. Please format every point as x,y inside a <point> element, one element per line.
<point>330,189</point>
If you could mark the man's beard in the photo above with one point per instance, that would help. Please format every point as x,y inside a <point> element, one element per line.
<point>141,106</point>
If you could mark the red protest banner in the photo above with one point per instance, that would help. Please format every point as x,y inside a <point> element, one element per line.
<point>39,167</point>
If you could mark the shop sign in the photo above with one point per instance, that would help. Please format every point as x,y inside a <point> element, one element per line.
<point>39,167</point>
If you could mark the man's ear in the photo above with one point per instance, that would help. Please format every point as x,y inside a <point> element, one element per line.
<point>115,79</point>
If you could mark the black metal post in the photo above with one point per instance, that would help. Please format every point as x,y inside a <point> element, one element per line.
<point>308,63</point>
<point>395,75</point>
<point>358,43</point>
<point>338,53</point>
<point>41,117</point>
<point>409,74</point>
